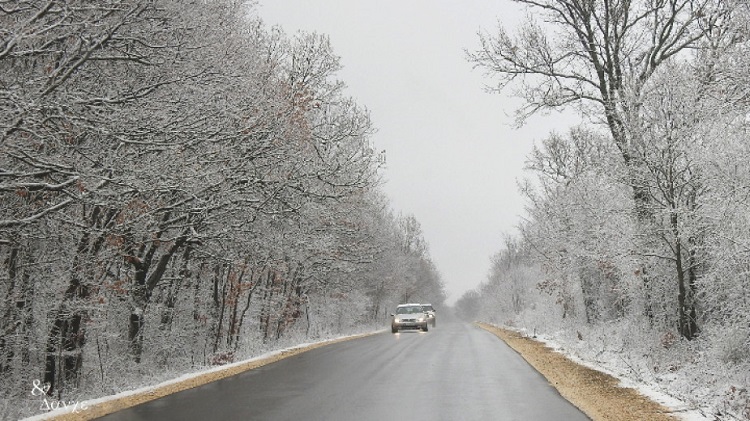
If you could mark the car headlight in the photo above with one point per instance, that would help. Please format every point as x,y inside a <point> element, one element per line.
<point>421,319</point>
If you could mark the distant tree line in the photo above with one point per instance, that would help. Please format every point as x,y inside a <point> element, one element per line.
<point>181,185</point>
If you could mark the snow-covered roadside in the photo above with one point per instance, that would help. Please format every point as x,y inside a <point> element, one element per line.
<point>93,408</point>
<point>599,395</point>
<point>615,369</point>
<point>618,368</point>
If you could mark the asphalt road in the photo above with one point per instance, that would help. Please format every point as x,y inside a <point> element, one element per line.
<point>455,371</point>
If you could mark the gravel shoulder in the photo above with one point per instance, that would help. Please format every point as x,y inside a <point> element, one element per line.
<point>597,394</point>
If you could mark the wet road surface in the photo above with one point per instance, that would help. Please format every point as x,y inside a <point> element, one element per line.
<point>455,371</point>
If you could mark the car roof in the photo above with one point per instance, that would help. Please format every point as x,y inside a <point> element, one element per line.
<point>409,305</point>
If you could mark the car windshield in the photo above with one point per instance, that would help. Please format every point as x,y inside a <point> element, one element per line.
<point>408,310</point>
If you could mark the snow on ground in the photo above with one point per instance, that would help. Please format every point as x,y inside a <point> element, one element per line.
<point>619,368</point>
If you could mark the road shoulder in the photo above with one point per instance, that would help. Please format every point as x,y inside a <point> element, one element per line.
<point>597,394</point>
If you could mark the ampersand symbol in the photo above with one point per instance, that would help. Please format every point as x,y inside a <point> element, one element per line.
<point>39,389</point>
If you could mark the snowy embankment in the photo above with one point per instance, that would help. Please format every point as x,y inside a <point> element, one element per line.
<point>676,374</point>
<point>97,407</point>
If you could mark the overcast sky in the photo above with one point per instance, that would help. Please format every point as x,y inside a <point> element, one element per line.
<point>453,158</point>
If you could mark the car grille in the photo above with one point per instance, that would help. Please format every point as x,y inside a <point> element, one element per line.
<point>408,320</point>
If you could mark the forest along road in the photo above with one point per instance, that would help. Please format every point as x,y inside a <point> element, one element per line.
<point>455,371</point>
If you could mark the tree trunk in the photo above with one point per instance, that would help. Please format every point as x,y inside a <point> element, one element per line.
<point>245,309</point>
<point>685,305</point>
<point>170,301</point>
<point>65,341</point>
<point>66,338</point>
<point>9,319</point>
<point>135,333</point>
<point>146,280</point>
<point>265,312</point>
<point>220,301</point>
<point>235,291</point>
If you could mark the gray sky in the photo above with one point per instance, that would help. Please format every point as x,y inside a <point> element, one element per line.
<point>452,156</point>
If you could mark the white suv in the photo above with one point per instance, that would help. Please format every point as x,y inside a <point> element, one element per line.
<point>409,316</point>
